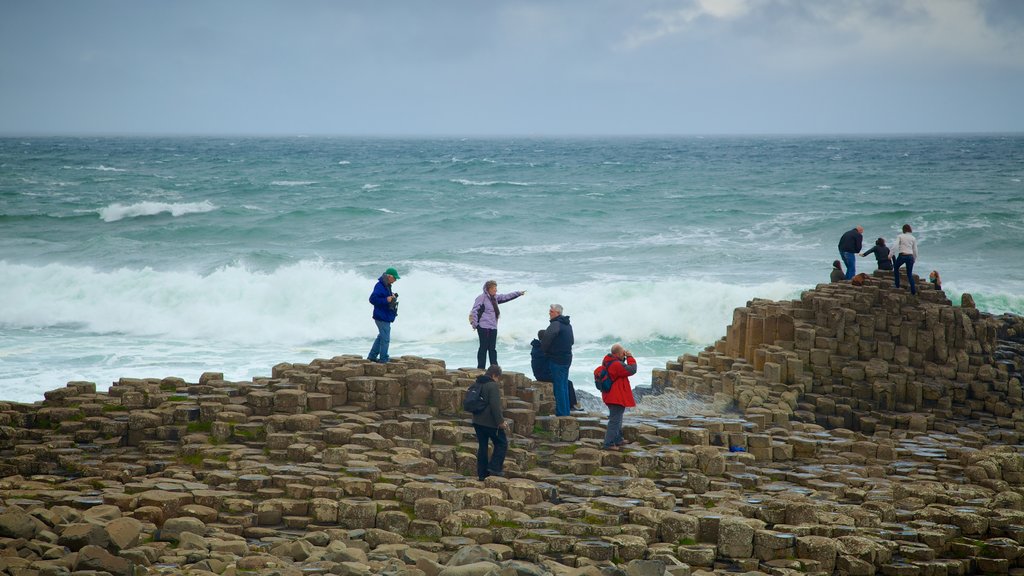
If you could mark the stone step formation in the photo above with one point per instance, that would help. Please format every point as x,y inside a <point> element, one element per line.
<point>859,430</point>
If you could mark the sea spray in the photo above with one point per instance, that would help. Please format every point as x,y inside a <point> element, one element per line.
<point>117,211</point>
<point>311,301</point>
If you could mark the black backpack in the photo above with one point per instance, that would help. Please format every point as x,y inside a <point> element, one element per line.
<point>602,379</point>
<point>474,402</point>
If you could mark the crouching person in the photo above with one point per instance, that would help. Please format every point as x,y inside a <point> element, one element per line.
<point>489,425</point>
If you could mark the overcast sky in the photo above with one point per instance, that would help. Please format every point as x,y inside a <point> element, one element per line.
<point>497,67</point>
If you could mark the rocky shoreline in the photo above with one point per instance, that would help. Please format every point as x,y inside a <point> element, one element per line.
<point>871,432</point>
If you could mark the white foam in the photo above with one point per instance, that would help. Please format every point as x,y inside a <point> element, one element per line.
<point>371,186</point>
<point>465,182</point>
<point>103,168</point>
<point>312,301</point>
<point>292,182</point>
<point>116,211</point>
<point>386,211</point>
<point>343,162</point>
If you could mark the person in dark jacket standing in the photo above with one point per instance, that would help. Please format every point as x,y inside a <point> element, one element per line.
<point>882,255</point>
<point>849,247</point>
<point>621,365</point>
<point>483,317</point>
<point>542,369</point>
<point>385,310</point>
<point>489,426</point>
<point>557,346</point>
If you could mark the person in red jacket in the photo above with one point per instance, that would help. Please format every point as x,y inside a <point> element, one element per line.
<point>621,365</point>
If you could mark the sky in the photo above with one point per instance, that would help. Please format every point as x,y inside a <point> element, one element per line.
<point>502,67</point>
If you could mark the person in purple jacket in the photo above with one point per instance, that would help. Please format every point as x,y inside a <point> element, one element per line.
<point>483,317</point>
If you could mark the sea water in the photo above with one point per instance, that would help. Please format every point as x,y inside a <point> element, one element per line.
<point>153,257</point>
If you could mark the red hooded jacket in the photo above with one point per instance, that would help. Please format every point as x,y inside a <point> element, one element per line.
<point>621,394</point>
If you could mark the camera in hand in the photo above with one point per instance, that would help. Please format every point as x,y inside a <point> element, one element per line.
<point>394,301</point>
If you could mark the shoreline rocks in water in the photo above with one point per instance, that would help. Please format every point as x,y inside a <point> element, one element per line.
<point>872,433</point>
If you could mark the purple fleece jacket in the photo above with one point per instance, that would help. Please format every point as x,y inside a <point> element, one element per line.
<point>485,317</point>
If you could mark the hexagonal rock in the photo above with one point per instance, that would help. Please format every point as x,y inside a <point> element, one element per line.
<point>735,537</point>
<point>594,549</point>
<point>173,528</point>
<point>289,400</point>
<point>302,423</point>
<point>410,464</point>
<point>432,508</point>
<point>646,568</point>
<point>124,533</point>
<point>524,491</point>
<point>96,558</point>
<point>818,548</point>
<point>78,536</point>
<point>529,548</point>
<point>102,514</point>
<point>169,503</point>
<point>323,511</point>
<point>628,547</point>
<point>357,513</point>
<point>250,483</point>
<point>697,554</point>
<point>475,569</point>
<point>16,523</point>
<point>471,555</point>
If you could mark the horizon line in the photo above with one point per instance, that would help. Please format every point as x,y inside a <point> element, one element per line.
<point>396,135</point>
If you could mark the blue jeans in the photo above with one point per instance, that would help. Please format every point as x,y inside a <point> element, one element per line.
<point>909,261</point>
<point>496,436</point>
<point>613,435</point>
<point>380,345</point>
<point>560,380</point>
<point>850,261</point>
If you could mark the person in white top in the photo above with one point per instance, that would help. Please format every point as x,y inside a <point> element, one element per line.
<point>904,250</point>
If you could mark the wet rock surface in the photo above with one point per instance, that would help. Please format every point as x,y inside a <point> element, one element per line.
<point>858,430</point>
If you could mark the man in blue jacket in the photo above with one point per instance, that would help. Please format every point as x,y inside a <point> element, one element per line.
<point>557,346</point>
<point>849,247</point>
<point>385,309</point>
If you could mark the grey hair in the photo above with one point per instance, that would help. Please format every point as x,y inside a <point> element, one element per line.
<point>489,283</point>
<point>494,371</point>
<point>557,308</point>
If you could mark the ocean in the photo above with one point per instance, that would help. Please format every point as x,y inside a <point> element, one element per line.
<point>171,256</point>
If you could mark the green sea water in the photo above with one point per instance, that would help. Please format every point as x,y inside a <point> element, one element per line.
<point>172,256</point>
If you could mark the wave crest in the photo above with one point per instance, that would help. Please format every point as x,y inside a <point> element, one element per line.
<point>465,182</point>
<point>313,301</point>
<point>116,211</point>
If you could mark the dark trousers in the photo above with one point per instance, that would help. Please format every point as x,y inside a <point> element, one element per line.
<point>488,342</point>
<point>496,436</point>
<point>909,261</point>
<point>613,435</point>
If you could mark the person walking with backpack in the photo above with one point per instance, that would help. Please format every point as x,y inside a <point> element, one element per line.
<point>385,310</point>
<point>620,365</point>
<point>483,317</point>
<point>489,423</point>
<point>557,346</point>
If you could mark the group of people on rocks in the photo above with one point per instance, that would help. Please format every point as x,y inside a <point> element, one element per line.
<point>903,253</point>
<point>551,356</point>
